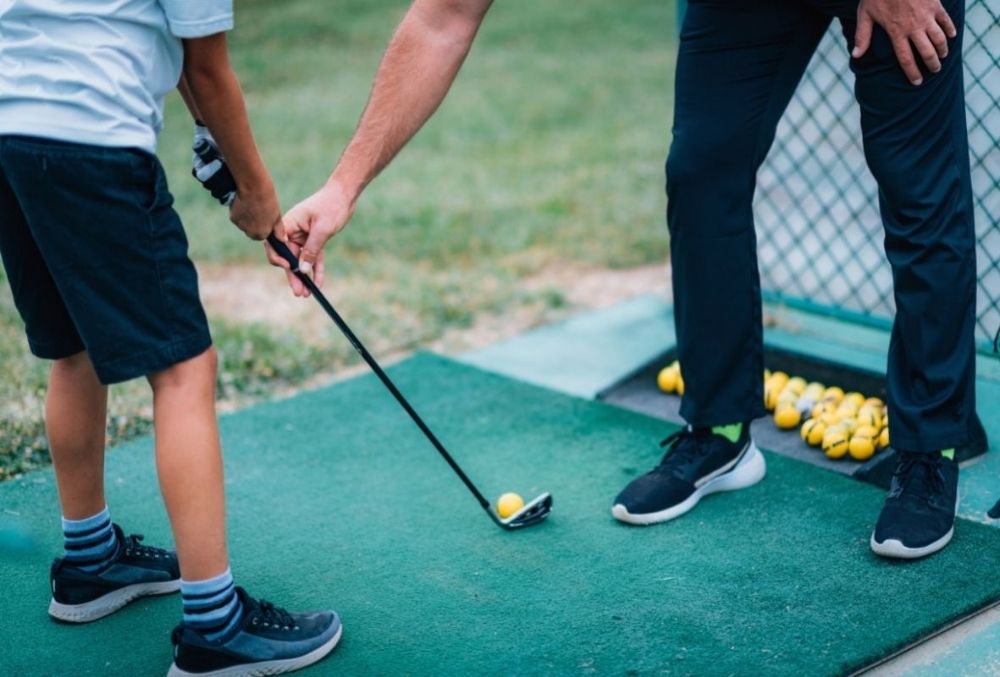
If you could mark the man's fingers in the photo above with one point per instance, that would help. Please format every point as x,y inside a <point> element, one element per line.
<point>319,274</point>
<point>939,40</point>
<point>295,283</point>
<point>862,34</point>
<point>925,48</point>
<point>312,249</point>
<point>945,22</point>
<point>275,259</point>
<point>904,55</point>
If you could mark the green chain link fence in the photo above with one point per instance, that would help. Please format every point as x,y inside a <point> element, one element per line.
<point>819,230</point>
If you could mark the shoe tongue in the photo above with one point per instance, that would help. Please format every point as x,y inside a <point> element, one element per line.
<point>918,477</point>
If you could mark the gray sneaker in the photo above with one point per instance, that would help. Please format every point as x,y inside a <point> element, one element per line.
<point>267,641</point>
<point>137,571</point>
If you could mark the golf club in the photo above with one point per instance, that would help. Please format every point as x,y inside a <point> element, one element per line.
<point>532,513</point>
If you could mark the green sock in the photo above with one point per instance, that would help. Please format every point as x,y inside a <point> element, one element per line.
<point>948,454</point>
<point>731,432</point>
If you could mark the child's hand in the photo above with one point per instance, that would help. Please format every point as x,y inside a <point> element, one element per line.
<point>257,213</point>
<point>209,166</point>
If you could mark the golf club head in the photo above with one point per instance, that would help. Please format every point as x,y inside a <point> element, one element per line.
<point>531,514</point>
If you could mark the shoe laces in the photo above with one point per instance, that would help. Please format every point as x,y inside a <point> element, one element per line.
<point>133,546</point>
<point>685,447</point>
<point>918,475</point>
<point>265,614</point>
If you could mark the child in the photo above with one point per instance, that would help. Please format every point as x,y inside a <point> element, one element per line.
<point>97,262</point>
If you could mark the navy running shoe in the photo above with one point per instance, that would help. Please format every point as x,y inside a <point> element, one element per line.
<point>697,463</point>
<point>137,570</point>
<point>267,641</point>
<point>918,517</point>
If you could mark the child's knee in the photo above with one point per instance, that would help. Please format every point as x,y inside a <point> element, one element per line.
<point>194,372</point>
<point>80,359</point>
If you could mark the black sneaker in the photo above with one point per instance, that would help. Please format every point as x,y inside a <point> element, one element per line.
<point>918,517</point>
<point>136,571</point>
<point>697,463</point>
<point>267,641</point>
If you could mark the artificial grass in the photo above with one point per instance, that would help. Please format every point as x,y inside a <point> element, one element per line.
<point>336,499</point>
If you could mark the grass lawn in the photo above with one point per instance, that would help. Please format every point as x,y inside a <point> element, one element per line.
<point>547,153</point>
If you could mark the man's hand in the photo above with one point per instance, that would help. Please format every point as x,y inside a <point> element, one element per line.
<point>209,166</point>
<point>308,225</point>
<point>921,25</point>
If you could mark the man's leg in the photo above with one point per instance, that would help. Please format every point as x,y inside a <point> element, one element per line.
<point>917,148</point>
<point>738,66</point>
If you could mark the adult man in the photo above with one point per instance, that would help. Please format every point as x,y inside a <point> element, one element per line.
<point>754,52</point>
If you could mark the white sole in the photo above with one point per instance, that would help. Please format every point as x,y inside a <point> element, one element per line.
<point>895,549</point>
<point>750,470</point>
<point>265,668</point>
<point>109,603</point>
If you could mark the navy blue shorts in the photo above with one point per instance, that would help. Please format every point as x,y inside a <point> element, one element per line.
<point>97,258</point>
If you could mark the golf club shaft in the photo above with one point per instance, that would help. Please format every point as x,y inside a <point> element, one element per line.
<point>285,253</point>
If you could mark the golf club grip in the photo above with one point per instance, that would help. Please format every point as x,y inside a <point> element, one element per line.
<point>284,252</point>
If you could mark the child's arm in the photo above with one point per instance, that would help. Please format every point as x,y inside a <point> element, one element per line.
<point>213,95</point>
<point>185,91</point>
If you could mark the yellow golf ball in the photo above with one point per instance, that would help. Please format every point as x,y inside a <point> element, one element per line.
<point>849,424</point>
<point>815,389</point>
<point>667,379</point>
<point>812,432</point>
<point>830,418</point>
<point>869,416</point>
<point>847,410</point>
<point>833,394</point>
<point>862,444</point>
<point>857,398</point>
<point>787,417</point>
<point>786,398</point>
<point>824,408</point>
<point>836,443</point>
<point>779,379</point>
<point>883,438</point>
<point>874,402</point>
<point>796,384</point>
<point>508,504</point>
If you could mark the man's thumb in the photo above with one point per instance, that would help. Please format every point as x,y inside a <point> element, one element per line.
<point>862,35</point>
<point>311,250</point>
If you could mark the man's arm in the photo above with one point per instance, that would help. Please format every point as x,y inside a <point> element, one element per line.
<point>213,95</point>
<point>418,67</point>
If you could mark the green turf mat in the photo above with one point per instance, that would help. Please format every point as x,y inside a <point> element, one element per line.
<point>335,499</point>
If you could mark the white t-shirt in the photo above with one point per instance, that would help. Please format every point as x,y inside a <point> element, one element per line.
<point>96,71</point>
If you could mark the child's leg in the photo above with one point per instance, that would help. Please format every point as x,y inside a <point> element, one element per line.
<point>189,463</point>
<point>75,419</point>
